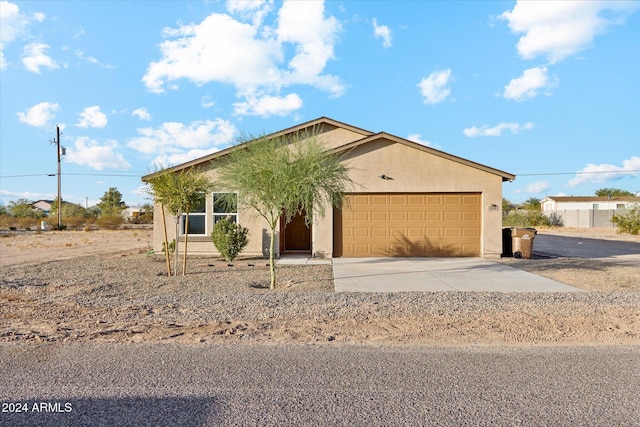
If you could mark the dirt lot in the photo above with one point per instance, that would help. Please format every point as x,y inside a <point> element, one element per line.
<point>103,286</point>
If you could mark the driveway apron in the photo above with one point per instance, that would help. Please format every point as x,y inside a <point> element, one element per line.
<point>437,274</point>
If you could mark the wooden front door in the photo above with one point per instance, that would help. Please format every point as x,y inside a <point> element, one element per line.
<point>297,236</point>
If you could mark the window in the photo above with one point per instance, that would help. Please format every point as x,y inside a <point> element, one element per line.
<point>596,206</point>
<point>225,205</point>
<point>620,206</point>
<point>197,218</point>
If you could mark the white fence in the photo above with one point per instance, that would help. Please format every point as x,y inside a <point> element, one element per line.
<point>586,218</point>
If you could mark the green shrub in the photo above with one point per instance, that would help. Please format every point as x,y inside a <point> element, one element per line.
<point>109,222</point>
<point>75,222</point>
<point>524,218</point>
<point>628,222</point>
<point>229,238</point>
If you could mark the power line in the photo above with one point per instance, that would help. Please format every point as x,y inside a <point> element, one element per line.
<point>138,176</point>
<point>69,173</point>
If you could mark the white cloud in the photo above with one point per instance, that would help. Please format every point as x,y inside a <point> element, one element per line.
<point>90,153</point>
<point>537,187</point>
<point>416,137</point>
<point>268,105</point>
<point>14,25</point>
<point>434,89</point>
<point>142,114</point>
<point>558,29</point>
<point>529,84</point>
<point>253,10</point>
<point>383,32</point>
<point>34,58</point>
<point>174,142</point>
<point>605,172</point>
<point>474,131</point>
<point>253,57</point>
<point>80,54</point>
<point>12,21</point>
<point>92,117</point>
<point>207,102</point>
<point>40,114</point>
<point>27,195</point>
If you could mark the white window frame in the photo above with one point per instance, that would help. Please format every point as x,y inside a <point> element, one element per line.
<point>194,214</point>
<point>215,214</point>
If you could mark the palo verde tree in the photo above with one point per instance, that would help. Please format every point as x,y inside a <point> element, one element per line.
<point>178,192</point>
<point>283,176</point>
<point>158,188</point>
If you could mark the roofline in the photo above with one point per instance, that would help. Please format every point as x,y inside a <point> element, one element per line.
<point>292,129</point>
<point>594,198</point>
<point>506,176</point>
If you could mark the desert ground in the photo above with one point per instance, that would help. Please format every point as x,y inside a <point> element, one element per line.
<point>76,286</point>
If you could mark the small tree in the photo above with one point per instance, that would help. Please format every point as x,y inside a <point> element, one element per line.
<point>111,203</point>
<point>178,192</point>
<point>283,176</point>
<point>613,192</point>
<point>159,187</point>
<point>229,238</point>
<point>532,204</point>
<point>23,208</point>
<point>628,222</point>
<point>507,206</point>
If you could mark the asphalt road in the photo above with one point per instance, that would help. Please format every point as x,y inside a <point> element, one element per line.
<point>103,384</point>
<point>578,247</point>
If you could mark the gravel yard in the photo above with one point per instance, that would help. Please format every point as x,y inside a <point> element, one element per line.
<point>126,297</point>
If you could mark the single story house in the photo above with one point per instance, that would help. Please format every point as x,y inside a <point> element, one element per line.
<point>408,200</point>
<point>586,211</point>
<point>43,205</point>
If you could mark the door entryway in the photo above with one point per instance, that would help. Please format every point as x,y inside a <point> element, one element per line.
<point>295,236</point>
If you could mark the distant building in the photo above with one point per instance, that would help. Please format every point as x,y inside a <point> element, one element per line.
<point>586,211</point>
<point>43,205</point>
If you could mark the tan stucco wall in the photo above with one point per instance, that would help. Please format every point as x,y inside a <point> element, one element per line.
<point>416,171</point>
<point>412,170</point>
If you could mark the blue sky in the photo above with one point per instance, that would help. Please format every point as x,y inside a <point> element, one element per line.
<point>548,91</point>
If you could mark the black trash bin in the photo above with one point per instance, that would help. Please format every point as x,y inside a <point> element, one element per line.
<point>507,250</point>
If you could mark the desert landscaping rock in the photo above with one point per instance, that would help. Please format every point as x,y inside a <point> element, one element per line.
<point>127,297</point>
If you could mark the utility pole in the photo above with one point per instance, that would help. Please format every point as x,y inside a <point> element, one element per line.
<point>59,152</point>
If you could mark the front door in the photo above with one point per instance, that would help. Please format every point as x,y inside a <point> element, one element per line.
<point>297,236</point>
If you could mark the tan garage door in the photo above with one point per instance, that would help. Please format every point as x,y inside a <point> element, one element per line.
<point>431,224</point>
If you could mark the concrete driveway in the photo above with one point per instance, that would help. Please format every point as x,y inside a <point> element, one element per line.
<point>437,274</point>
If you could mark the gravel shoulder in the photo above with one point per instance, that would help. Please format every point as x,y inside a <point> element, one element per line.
<point>124,296</point>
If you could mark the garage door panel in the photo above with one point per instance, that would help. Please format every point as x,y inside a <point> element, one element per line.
<point>434,200</point>
<point>397,216</point>
<point>429,224</point>
<point>397,200</point>
<point>379,200</point>
<point>413,199</point>
<point>415,216</point>
<point>452,216</point>
<point>379,233</point>
<point>360,233</point>
<point>379,216</point>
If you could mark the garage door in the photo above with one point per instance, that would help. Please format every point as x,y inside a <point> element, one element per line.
<point>431,224</point>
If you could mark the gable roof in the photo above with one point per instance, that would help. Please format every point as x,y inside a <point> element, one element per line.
<point>367,137</point>
<point>383,135</point>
